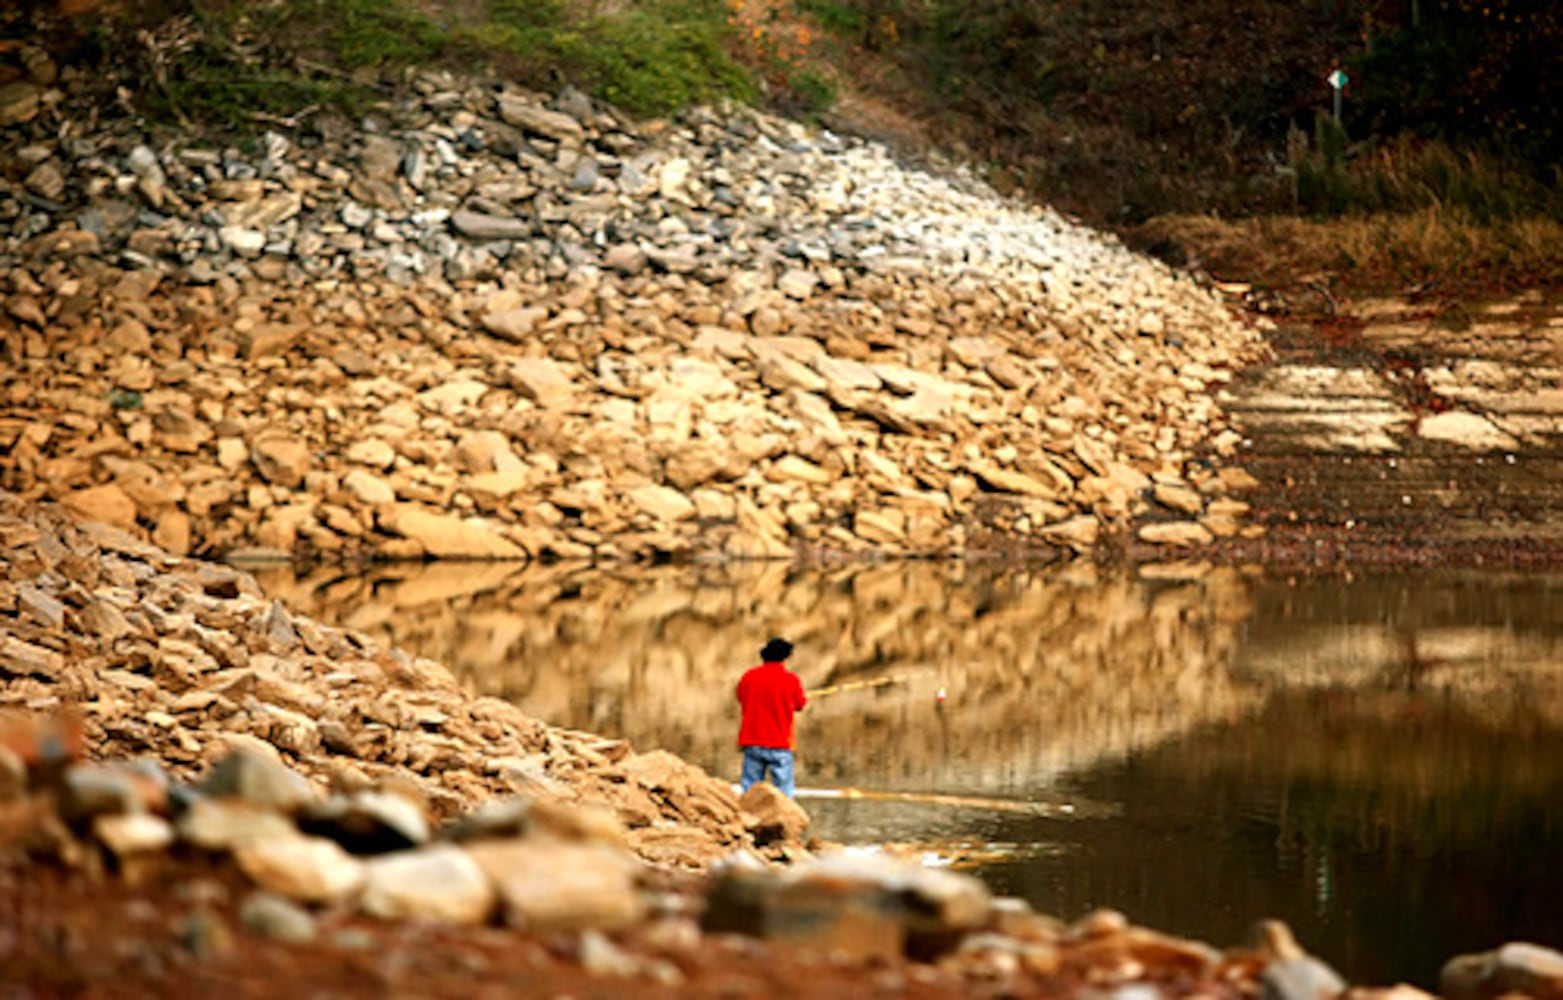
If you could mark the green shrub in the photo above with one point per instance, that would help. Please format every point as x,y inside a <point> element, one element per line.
<point>836,17</point>
<point>222,61</point>
<point>649,58</point>
<point>814,91</point>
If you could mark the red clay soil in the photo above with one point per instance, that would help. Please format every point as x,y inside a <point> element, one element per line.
<point>64,934</point>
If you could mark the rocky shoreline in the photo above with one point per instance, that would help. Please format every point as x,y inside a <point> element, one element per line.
<point>488,324</point>
<point>306,796</point>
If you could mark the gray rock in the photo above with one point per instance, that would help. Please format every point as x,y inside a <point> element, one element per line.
<point>482,226</point>
<point>252,775</point>
<point>1291,973</point>
<point>585,177</point>
<point>1515,968</point>
<point>1304,978</point>
<point>277,918</point>
<point>89,790</point>
<point>368,822</point>
<point>541,121</point>
<point>866,905</point>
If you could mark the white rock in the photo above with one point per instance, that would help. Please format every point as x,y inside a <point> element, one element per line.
<point>434,883</point>
<point>311,869</point>
<point>1466,429</point>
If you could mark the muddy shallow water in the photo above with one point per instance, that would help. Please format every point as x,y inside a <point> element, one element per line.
<point>1377,760</point>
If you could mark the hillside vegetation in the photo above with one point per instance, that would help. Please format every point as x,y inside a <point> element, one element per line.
<point>1206,135</point>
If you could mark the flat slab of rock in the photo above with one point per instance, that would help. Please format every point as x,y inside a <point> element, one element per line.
<point>447,536</point>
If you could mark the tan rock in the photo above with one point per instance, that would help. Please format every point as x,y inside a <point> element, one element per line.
<point>446,536</point>
<point>108,504</point>
<point>769,815</point>
<point>882,527</point>
<point>270,339</point>
<point>232,453</point>
<point>699,462</point>
<point>173,532</point>
<point>662,503</point>
<point>491,489</point>
<point>1516,968</point>
<point>1182,534</point>
<point>542,380</point>
<point>280,458</point>
<point>25,308</point>
<point>793,469</point>
<point>310,869</point>
<point>20,658</point>
<point>485,451</point>
<point>453,397</point>
<point>368,488</point>
<point>441,883</point>
<point>374,453</point>
<point>844,376</point>
<point>781,373</point>
<point>515,325</point>
<point>547,886</point>
<point>129,834</point>
<point>1466,430</point>
<point>20,103</point>
<point>1179,497</point>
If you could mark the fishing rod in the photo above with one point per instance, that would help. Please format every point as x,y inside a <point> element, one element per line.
<point>873,683</point>
<point>1028,807</point>
<point>863,685</point>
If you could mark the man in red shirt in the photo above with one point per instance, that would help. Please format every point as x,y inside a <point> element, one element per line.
<point>770,696</point>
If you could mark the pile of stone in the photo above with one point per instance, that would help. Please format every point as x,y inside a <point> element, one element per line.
<point>524,864</point>
<point>497,324</point>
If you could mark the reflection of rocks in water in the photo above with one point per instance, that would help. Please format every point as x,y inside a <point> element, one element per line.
<point>1045,669</point>
<point>1488,639</point>
<point>1394,759</point>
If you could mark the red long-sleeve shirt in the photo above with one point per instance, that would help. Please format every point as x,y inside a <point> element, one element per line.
<point>770,695</point>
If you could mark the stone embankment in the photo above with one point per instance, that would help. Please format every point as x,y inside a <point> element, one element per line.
<point>486,323</point>
<point>299,796</point>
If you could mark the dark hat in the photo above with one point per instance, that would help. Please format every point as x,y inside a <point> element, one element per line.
<point>776,651</point>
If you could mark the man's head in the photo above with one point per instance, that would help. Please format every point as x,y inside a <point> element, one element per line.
<point>776,651</point>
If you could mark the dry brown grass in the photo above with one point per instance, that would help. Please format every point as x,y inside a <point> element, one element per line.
<point>1369,252</point>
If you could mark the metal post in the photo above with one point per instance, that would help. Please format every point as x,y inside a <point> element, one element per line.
<point>1337,81</point>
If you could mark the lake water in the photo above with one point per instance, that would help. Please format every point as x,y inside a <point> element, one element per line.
<point>1376,760</point>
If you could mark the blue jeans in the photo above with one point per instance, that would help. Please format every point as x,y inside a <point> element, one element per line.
<point>757,760</point>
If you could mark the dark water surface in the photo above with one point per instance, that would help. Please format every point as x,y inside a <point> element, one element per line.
<point>1377,761</point>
